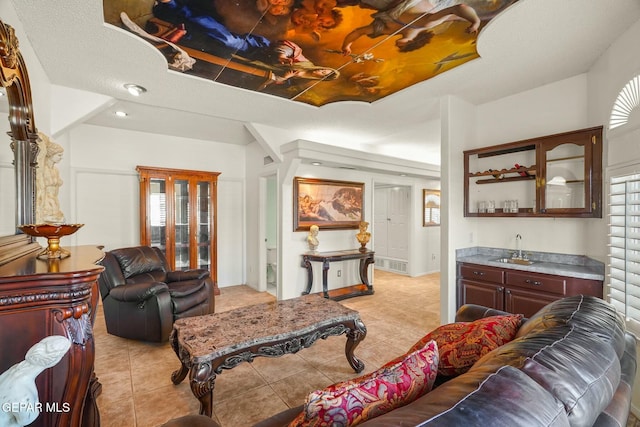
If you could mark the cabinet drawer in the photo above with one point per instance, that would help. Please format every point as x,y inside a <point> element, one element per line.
<point>478,272</point>
<point>538,282</point>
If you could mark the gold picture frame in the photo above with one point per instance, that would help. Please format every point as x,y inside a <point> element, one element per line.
<point>431,210</point>
<point>326,203</point>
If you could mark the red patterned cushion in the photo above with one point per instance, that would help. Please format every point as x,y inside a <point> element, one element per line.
<point>352,402</point>
<point>462,344</point>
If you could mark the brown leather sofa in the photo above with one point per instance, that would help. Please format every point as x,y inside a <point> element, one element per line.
<point>571,364</point>
<point>142,297</point>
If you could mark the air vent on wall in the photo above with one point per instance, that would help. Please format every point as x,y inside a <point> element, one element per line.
<point>398,266</point>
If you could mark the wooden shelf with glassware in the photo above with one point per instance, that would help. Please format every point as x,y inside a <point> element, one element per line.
<point>565,167</point>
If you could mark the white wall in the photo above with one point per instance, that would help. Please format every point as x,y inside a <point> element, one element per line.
<point>458,132</point>
<point>293,278</point>
<point>619,64</point>
<point>558,107</point>
<point>104,184</point>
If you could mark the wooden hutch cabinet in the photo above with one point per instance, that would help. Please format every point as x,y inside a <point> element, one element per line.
<point>178,215</point>
<point>551,176</point>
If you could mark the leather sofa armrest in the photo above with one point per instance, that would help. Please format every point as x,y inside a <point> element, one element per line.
<point>137,292</point>
<point>471,312</point>
<point>191,421</point>
<point>181,275</point>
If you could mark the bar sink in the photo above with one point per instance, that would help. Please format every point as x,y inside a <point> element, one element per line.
<point>514,261</point>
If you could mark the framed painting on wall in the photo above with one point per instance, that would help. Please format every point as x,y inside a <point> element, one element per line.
<point>327,204</point>
<point>431,212</point>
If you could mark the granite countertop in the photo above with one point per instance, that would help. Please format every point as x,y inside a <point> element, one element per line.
<point>578,266</point>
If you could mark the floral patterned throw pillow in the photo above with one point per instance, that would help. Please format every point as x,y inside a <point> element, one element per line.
<point>462,344</point>
<point>352,402</point>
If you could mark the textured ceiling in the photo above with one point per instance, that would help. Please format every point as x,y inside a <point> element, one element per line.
<point>533,43</point>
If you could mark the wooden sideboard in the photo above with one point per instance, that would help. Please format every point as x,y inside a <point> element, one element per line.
<point>39,298</point>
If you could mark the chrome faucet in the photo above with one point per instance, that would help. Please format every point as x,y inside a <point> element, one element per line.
<point>518,246</point>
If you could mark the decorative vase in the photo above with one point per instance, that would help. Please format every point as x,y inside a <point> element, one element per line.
<point>363,236</point>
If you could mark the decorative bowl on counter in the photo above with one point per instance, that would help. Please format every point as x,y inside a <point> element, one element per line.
<point>52,232</point>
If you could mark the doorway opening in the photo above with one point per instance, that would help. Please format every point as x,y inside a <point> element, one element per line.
<point>271,234</point>
<point>391,213</point>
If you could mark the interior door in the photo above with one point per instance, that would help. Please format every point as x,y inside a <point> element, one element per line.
<point>380,221</point>
<point>398,230</point>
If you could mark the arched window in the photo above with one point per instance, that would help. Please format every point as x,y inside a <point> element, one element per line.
<point>627,100</point>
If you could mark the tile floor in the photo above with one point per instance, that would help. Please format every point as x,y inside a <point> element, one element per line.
<point>137,390</point>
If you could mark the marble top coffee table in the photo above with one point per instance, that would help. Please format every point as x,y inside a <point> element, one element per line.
<point>208,344</point>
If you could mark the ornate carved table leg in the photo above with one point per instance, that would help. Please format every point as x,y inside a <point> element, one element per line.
<point>364,270</point>
<point>354,336</point>
<point>325,278</point>
<point>181,373</point>
<point>202,379</point>
<point>307,264</point>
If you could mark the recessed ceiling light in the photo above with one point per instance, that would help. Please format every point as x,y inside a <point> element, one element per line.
<point>134,90</point>
<point>403,174</point>
<point>121,114</point>
<point>316,163</point>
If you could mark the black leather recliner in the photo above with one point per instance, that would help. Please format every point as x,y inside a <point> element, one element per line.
<point>142,298</point>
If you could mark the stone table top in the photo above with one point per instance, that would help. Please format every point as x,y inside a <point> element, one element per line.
<point>213,335</point>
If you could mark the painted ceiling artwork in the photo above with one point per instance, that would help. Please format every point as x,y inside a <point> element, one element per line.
<point>311,51</point>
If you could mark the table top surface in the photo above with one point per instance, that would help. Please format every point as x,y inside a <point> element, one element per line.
<point>214,335</point>
<point>339,254</point>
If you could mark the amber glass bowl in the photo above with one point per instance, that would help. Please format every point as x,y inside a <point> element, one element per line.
<point>53,233</point>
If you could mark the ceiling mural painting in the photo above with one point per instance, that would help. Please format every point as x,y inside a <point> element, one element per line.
<point>311,51</point>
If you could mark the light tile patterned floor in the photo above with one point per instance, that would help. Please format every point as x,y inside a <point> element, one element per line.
<point>137,389</point>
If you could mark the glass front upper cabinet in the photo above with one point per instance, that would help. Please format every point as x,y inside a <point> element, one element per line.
<point>177,214</point>
<point>557,175</point>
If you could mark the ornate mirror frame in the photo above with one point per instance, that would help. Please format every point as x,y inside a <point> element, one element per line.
<point>24,135</point>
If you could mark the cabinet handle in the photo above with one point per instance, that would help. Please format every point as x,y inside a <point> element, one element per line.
<point>478,273</point>
<point>500,289</point>
<point>533,282</point>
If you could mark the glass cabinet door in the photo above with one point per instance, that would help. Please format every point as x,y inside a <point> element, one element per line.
<point>565,177</point>
<point>178,215</point>
<point>158,213</point>
<point>570,174</point>
<point>204,236</point>
<point>181,194</point>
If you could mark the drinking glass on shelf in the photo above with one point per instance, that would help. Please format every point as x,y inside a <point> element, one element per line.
<point>491,206</point>
<point>482,207</point>
<point>514,206</point>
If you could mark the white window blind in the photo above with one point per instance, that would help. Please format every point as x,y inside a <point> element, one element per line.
<point>624,242</point>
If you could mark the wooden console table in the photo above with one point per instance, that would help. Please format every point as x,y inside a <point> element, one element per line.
<point>326,258</point>
<point>39,298</point>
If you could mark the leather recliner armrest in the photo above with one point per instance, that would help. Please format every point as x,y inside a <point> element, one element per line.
<point>137,292</point>
<point>181,275</point>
